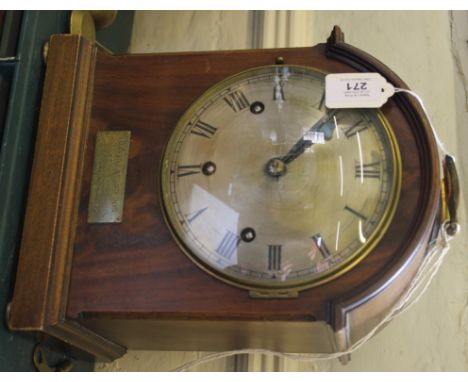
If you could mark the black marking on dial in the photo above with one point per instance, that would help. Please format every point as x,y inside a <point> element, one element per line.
<point>188,169</point>
<point>278,92</point>
<point>322,101</point>
<point>321,246</point>
<point>355,213</point>
<point>274,257</point>
<point>368,170</point>
<point>203,129</point>
<point>237,101</point>
<point>359,126</point>
<point>228,245</point>
<point>195,214</point>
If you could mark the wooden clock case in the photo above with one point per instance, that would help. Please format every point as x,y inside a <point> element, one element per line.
<point>107,287</point>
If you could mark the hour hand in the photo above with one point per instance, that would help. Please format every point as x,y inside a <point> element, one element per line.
<point>302,144</point>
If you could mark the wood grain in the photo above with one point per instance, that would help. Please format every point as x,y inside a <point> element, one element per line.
<point>41,289</point>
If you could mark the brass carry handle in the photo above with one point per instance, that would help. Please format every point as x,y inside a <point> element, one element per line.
<point>85,23</point>
<point>451,195</point>
<point>41,364</point>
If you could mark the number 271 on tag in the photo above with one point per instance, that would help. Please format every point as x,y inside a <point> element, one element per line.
<point>356,86</point>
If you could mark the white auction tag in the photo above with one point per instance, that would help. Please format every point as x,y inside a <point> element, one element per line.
<point>356,90</point>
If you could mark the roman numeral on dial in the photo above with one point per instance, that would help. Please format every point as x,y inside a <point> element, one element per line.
<point>189,169</point>
<point>367,170</point>
<point>203,129</point>
<point>274,257</point>
<point>322,101</point>
<point>228,245</point>
<point>355,213</point>
<point>195,214</point>
<point>237,100</point>
<point>278,92</point>
<point>321,246</point>
<point>359,126</point>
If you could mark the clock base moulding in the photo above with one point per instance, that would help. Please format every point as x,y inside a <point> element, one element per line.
<point>107,287</point>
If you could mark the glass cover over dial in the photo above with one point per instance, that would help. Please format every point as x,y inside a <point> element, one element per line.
<point>266,188</point>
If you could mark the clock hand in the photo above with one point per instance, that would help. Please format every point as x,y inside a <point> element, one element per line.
<point>276,167</point>
<point>302,144</point>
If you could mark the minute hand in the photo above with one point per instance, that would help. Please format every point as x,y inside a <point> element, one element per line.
<point>302,144</point>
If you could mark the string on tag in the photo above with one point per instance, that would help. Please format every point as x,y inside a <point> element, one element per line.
<point>440,145</point>
<point>426,272</point>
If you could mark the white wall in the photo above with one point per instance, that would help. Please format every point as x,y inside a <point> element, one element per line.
<point>420,47</point>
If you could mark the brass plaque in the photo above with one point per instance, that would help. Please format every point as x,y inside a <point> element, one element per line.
<point>109,176</point>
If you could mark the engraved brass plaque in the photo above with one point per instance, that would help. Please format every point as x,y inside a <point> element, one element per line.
<point>109,176</point>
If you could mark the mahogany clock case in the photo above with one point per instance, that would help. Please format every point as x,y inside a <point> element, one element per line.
<point>128,284</point>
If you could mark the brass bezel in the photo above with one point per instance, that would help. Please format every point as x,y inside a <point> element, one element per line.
<point>292,287</point>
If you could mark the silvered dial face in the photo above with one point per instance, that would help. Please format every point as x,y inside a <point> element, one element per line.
<point>266,188</point>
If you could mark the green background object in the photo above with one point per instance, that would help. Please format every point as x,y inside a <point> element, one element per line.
<point>23,71</point>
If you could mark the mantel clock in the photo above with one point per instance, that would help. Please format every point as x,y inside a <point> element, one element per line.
<point>211,201</point>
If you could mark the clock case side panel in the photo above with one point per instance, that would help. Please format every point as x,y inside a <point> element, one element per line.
<point>354,316</point>
<point>43,273</point>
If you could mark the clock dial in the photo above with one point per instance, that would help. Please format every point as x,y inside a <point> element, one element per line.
<point>266,188</point>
